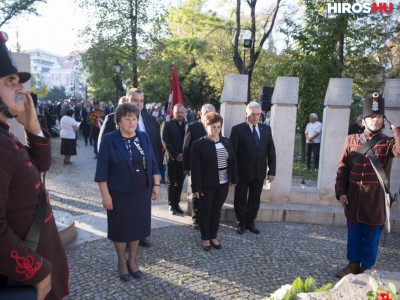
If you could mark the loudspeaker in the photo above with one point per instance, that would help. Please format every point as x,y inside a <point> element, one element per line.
<point>265,97</point>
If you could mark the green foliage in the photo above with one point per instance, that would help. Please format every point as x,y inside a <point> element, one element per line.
<point>308,286</point>
<point>9,9</point>
<point>56,93</point>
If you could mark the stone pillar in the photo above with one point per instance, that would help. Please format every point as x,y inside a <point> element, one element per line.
<point>233,99</point>
<point>283,125</point>
<point>335,127</point>
<point>391,93</point>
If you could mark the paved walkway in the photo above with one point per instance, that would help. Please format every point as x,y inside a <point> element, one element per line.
<point>175,266</point>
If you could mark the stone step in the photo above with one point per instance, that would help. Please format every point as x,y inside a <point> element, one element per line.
<point>297,213</point>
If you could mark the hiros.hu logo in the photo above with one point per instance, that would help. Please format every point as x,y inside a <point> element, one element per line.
<point>357,8</point>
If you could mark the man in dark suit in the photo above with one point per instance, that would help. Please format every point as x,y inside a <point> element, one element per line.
<point>254,148</point>
<point>193,132</point>
<point>172,134</point>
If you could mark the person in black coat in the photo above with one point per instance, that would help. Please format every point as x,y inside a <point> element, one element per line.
<point>172,133</point>
<point>109,122</point>
<point>85,127</point>
<point>193,132</point>
<point>254,148</point>
<point>213,169</point>
<point>356,127</point>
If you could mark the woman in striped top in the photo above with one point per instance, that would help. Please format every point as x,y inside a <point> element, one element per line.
<point>213,169</point>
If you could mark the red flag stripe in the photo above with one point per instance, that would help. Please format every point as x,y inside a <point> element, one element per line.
<point>175,94</point>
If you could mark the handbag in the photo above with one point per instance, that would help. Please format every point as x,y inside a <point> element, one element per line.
<point>15,290</point>
<point>380,172</point>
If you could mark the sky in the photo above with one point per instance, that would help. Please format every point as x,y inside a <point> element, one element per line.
<point>57,27</point>
<point>55,30</point>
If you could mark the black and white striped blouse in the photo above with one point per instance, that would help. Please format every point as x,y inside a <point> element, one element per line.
<point>222,158</point>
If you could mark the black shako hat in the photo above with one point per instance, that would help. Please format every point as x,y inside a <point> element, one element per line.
<point>7,63</point>
<point>374,105</point>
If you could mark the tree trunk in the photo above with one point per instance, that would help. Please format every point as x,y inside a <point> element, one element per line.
<point>134,7</point>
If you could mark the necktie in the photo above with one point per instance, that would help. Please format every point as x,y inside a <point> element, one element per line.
<point>255,135</point>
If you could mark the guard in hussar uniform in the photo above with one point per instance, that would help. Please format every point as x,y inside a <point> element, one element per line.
<point>358,185</point>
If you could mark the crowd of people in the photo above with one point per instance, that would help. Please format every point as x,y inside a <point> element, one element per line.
<point>131,149</point>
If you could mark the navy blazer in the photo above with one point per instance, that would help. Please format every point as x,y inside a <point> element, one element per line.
<point>252,160</point>
<point>152,129</point>
<point>114,165</point>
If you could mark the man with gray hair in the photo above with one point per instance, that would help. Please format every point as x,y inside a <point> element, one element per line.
<point>254,147</point>
<point>193,132</point>
<point>313,139</point>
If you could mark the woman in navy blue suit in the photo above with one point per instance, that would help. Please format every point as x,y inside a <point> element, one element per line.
<point>128,178</point>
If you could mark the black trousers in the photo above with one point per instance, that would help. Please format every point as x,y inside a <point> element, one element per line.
<point>176,177</point>
<point>247,201</point>
<point>210,210</point>
<point>195,210</point>
<point>313,148</point>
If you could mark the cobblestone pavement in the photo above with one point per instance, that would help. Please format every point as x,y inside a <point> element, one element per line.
<point>175,266</point>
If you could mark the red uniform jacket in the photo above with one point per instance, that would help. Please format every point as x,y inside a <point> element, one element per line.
<point>359,181</point>
<point>19,196</point>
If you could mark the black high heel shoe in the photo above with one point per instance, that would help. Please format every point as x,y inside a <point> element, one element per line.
<point>138,274</point>
<point>125,277</point>
<point>216,246</point>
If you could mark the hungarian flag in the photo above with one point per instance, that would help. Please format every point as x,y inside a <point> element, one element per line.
<point>175,94</point>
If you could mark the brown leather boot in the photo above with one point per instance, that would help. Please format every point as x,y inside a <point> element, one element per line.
<point>352,268</point>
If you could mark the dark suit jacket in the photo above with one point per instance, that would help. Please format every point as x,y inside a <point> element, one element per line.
<point>205,164</point>
<point>172,138</point>
<point>114,165</point>
<point>77,113</point>
<point>193,132</point>
<point>152,129</point>
<point>252,161</point>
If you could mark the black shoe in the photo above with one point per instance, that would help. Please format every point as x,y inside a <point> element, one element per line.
<point>138,274</point>
<point>252,228</point>
<point>144,243</point>
<point>240,229</point>
<point>172,210</point>
<point>216,246</point>
<point>207,248</point>
<point>196,226</point>
<point>125,277</point>
<point>178,209</point>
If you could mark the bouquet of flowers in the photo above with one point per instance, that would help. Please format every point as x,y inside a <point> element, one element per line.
<point>379,292</point>
<point>95,118</point>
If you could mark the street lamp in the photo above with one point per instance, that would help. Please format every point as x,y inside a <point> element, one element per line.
<point>86,86</point>
<point>247,43</point>
<point>117,69</point>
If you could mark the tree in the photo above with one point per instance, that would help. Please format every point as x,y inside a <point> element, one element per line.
<point>260,28</point>
<point>197,41</point>
<point>122,28</point>
<point>56,93</point>
<point>322,46</point>
<point>10,9</point>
